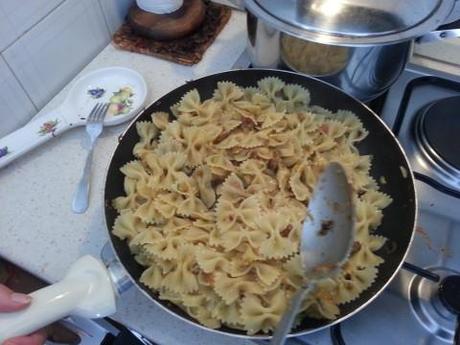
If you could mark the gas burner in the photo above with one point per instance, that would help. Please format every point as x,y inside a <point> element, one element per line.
<point>437,134</point>
<point>435,304</point>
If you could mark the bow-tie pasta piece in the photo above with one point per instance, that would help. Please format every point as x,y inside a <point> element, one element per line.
<point>248,110</point>
<point>291,153</point>
<point>173,132</point>
<point>168,145</point>
<point>160,120</point>
<point>293,274</point>
<point>376,198</point>
<point>182,278</point>
<point>219,165</point>
<point>241,138</point>
<point>203,178</point>
<point>246,254</point>
<point>231,288</point>
<point>303,180</point>
<point>228,314</point>
<point>267,274</point>
<point>276,245</point>
<point>147,132</point>
<point>259,180</point>
<point>204,314</point>
<point>322,304</point>
<point>135,170</point>
<point>233,190</point>
<point>271,86</point>
<point>171,165</point>
<point>246,213</point>
<point>167,203</point>
<point>130,201</point>
<point>197,141</point>
<point>368,217</point>
<point>152,277</point>
<point>157,244</point>
<point>354,280</point>
<point>148,213</point>
<point>297,97</point>
<point>235,237</point>
<point>190,103</point>
<point>136,245</point>
<point>261,314</point>
<point>355,127</point>
<point>127,225</point>
<point>190,206</point>
<point>227,92</point>
<point>269,119</point>
<point>211,260</point>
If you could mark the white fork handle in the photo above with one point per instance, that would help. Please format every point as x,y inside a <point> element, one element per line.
<point>86,291</point>
<point>26,138</point>
<point>81,198</point>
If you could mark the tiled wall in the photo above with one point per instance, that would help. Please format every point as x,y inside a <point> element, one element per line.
<point>43,45</point>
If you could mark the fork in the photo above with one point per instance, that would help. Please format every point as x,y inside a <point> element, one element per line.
<point>94,126</point>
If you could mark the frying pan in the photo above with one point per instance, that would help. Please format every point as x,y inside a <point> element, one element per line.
<point>388,161</point>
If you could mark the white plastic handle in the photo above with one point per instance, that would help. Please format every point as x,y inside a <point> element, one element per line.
<point>36,132</point>
<point>85,291</point>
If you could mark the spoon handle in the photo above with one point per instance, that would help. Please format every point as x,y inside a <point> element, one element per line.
<point>285,324</point>
<point>35,133</point>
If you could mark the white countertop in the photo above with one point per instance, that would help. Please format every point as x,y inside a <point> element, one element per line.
<point>38,230</point>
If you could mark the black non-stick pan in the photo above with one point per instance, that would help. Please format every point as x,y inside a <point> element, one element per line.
<point>388,161</point>
<point>89,288</point>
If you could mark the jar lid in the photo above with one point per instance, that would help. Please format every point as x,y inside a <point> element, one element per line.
<point>353,22</point>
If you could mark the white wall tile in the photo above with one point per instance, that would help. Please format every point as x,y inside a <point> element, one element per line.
<point>115,12</point>
<point>16,108</point>
<point>48,56</point>
<point>16,17</point>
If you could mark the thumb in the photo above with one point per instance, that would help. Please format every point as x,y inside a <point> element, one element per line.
<point>12,301</point>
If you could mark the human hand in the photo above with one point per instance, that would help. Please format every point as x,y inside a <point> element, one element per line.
<point>12,301</point>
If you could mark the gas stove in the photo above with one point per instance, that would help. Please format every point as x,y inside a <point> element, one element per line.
<point>423,110</point>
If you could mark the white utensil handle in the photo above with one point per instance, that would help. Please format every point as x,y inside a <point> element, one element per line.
<point>81,197</point>
<point>85,291</point>
<point>36,132</point>
<point>285,324</point>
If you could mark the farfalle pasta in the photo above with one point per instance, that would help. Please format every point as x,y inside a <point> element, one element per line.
<point>215,199</point>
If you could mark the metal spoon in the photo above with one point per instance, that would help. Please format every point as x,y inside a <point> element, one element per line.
<point>327,238</point>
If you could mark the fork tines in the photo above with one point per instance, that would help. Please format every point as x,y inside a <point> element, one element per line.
<point>98,112</point>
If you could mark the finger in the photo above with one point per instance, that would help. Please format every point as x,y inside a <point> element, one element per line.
<point>33,339</point>
<point>12,301</point>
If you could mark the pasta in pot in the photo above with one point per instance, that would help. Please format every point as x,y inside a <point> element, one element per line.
<point>216,198</point>
<point>313,58</point>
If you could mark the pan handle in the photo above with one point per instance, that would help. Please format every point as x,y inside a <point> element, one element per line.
<point>120,278</point>
<point>85,291</point>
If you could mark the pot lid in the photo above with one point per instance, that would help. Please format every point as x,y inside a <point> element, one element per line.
<point>353,22</point>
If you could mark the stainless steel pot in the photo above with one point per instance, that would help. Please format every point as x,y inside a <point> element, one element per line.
<point>361,46</point>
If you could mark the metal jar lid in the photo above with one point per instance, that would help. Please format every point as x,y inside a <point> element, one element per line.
<point>353,22</point>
